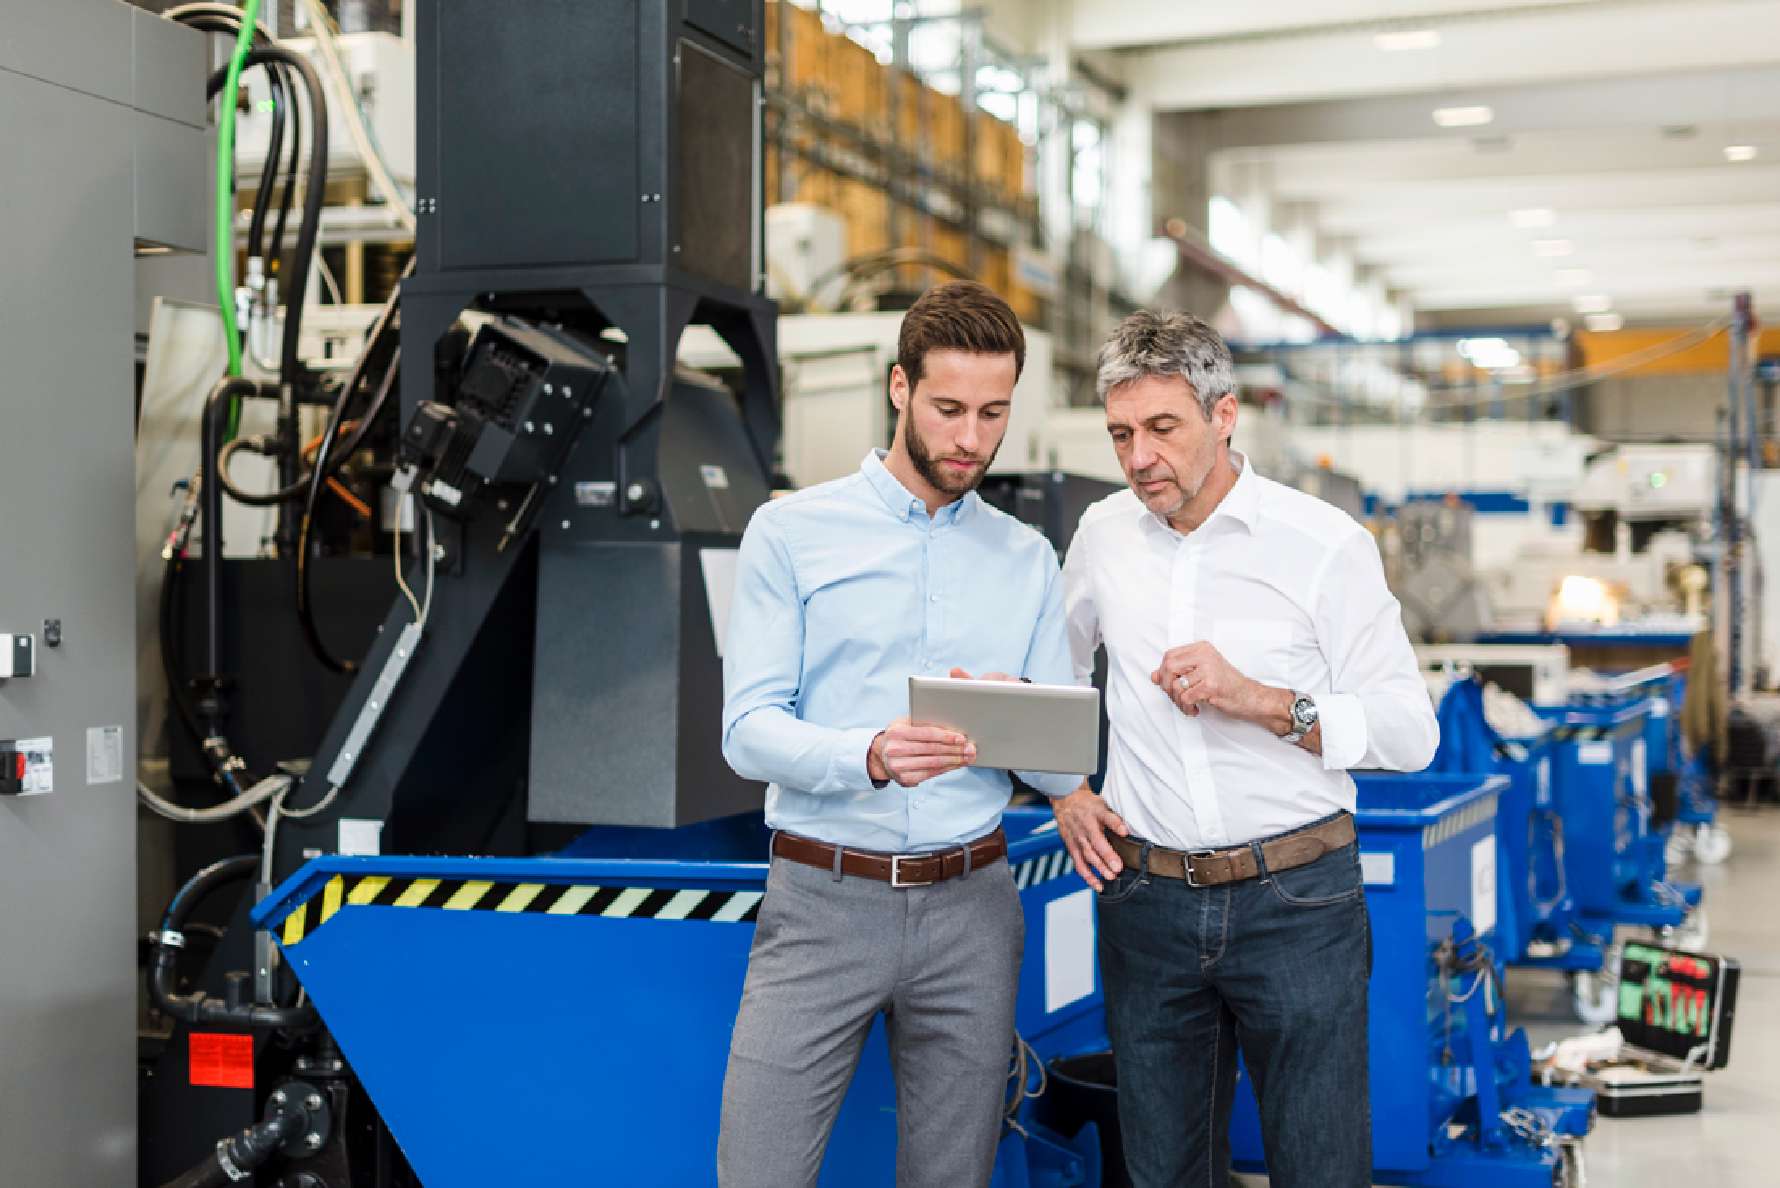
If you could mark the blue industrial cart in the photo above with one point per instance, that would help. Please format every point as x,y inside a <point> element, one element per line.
<point>1613,859</point>
<point>1453,1102</point>
<point>566,1020</point>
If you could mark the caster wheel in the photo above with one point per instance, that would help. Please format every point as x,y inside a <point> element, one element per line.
<point>1693,934</point>
<point>1678,849</point>
<point>1594,996</point>
<point>1712,844</point>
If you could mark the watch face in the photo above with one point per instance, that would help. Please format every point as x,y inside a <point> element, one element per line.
<point>1304,713</point>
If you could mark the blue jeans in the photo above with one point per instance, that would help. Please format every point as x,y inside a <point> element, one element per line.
<point>1275,965</point>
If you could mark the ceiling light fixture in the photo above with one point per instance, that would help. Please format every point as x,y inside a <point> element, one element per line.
<point>1401,40</point>
<point>1463,117</point>
<point>1593,303</point>
<point>1604,323</point>
<point>1532,218</point>
<point>1571,278</point>
<point>1740,152</point>
<point>1490,354</point>
<point>1550,249</point>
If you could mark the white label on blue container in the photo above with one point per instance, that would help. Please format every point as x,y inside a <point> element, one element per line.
<point>1378,868</point>
<point>1069,949</point>
<point>1597,753</point>
<point>1640,768</point>
<point>1483,884</point>
<point>1544,781</point>
<point>1659,707</point>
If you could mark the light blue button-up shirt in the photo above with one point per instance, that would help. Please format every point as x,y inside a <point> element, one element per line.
<point>842,592</point>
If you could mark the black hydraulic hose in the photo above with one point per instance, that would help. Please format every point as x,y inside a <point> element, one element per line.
<point>288,193</point>
<point>177,692</point>
<point>240,868</point>
<point>199,1007</point>
<point>216,420</point>
<point>241,1153</point>
<point>313,193</point>
<point>262,200</point>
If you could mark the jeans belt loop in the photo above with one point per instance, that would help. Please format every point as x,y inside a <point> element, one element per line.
<point>1260,862</point>
<point>966,848</point>
<point>1143,862</point>
<point>839,853</point>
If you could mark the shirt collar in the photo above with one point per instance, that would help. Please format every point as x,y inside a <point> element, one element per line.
<point>1242,502</point>
<point>903,505</point>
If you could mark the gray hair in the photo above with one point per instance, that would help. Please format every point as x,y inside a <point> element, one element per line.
<point>1179,344</point>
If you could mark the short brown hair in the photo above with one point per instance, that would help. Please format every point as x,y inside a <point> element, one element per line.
<point>959,315</point>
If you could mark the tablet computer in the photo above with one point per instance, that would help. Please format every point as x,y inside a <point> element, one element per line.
<point>1016,726</point>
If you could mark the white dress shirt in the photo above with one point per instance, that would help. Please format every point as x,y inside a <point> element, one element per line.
<point>1291,591</point>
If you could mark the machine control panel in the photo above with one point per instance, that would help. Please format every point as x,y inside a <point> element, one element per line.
<point>27,766</point>
<point>18,657</point>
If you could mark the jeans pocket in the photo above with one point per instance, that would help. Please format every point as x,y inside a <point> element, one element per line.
<point>1334,878</point>
<point>1121,887</point>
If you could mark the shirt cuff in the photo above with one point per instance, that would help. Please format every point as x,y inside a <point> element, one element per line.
<point>1343,720</point>
<point>1050,783</point>
<point>847,769</point>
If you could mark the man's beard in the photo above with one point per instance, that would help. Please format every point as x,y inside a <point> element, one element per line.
<point>1184,494</point>
<point>933,470</point>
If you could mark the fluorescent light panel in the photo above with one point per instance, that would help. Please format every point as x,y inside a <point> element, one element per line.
<point>1572,278</point>
<point>1593,303</point>
<point>1401,40</point>
<point>1604,323</point>
<point>1463,117</point>
<point>1532,218</point>
<point>1740,152</point>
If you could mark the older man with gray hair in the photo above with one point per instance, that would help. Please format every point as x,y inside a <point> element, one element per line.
<point>1254,656</point>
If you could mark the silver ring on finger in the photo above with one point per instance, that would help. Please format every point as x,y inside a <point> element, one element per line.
<point>1184,681</point>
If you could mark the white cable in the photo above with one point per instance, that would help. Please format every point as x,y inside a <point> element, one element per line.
<point>266,789</point>
<point>327,278</point>
<point>328,51</point>
<point>318,806</point>
<point>432,550</point>
<point>396,552</point>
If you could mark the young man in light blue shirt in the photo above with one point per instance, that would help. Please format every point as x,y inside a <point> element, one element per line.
<point>889,892</point>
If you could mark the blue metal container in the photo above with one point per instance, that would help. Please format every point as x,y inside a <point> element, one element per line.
<point>1613,858</point>
<point>1429,854</point>
<point>1536,915</point>
<point>566,1020</point>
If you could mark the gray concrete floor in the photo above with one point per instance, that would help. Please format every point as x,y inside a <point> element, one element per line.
<point>1734,1142</point>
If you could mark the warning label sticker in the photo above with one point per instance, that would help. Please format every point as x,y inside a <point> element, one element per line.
<point>105,754</point>
<point>221,1061</point>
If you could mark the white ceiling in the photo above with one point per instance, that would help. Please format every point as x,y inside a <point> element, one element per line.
<point>1613,114</point>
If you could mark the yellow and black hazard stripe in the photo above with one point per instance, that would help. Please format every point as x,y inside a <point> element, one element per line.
<point>540,899</point>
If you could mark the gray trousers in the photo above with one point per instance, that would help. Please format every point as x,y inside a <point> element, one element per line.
<point>942,965</point>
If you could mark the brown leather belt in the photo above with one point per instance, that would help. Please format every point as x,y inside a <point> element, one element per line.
<point>1212,868</point>
<point>899,870</point>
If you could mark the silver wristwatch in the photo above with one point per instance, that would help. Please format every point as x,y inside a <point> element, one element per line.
<point>1304,717</point>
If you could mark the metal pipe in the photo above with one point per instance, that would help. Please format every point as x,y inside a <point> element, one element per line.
<point>216,417</point>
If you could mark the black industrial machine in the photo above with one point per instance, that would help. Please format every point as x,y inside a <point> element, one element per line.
<point>565,504</point>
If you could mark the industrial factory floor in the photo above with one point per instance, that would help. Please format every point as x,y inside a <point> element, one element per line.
<point>1734,1142</point>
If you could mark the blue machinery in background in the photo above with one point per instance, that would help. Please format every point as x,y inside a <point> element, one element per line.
<point>1467,1113</point>
<point>583,1003</point>
<point>566,1020</point>
<point>1580,854</point>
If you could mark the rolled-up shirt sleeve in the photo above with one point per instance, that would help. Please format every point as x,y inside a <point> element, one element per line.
<point>1048,663</point>
<point>1377,713</point>
<point>763,737</point>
